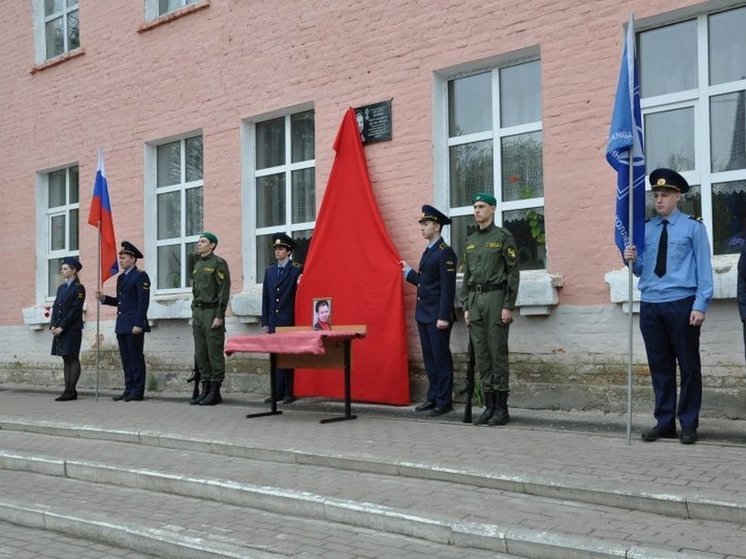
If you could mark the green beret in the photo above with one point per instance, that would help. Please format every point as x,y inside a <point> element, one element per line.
<point>210,237</point>
<point>484,197</point>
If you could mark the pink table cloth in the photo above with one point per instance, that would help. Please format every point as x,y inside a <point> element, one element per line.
<point>310,342</point>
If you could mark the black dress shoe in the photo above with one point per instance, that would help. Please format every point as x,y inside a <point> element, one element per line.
<point>440,410</point>
<point>118,397</point>
<point>688,436</point>
<point>289,399</point>
<point>66,397</point>
<point>131,398</point>
<point>426,406</point>
<point>658,432</point>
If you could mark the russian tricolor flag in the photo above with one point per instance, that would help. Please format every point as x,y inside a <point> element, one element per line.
<point>100,217</point>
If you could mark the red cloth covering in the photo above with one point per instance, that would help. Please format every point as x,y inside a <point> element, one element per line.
<point>353,262</point>
<point>286,342</point>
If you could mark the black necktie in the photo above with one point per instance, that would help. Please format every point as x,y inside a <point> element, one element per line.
<point>660,263</point>
<point>280,270</point>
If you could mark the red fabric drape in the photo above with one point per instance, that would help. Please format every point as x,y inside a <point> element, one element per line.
<point>353,262</point>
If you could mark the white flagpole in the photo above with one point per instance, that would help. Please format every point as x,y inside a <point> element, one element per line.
<point>98,313</point>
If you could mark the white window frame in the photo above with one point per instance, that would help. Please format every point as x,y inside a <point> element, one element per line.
<point>250,174</point>
<point>44,216</point>
<point>151,211</point>
<point>40,35</point>
<point>699,100</point>
<point>152,8</point>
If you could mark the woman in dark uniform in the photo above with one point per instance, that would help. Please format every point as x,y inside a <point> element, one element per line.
<point>67,325</point>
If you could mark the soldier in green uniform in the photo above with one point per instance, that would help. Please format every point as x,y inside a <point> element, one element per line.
<point>211,286</point>
<point>488,294</point>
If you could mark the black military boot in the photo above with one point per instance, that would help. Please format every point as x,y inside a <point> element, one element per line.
<point>489,409</point>
<point>213,396</point>
<point>202,395</point>
<point>501,417</point>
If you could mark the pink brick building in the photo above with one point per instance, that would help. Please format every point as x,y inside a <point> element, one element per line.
<point>221,115</point>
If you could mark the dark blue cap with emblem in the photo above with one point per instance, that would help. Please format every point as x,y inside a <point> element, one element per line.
<point>666,178</point>
<point>72,262</point>
<point>430,213</point>
<point>283,240</point>
<point>129,248</point>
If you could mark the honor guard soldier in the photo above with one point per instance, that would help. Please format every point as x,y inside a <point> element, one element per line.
<point>434,313</point>
<point>211,289</point>
<point>278,304</point>
<point>488,294</point>
<point>132,301</point>
<point>676,288</point>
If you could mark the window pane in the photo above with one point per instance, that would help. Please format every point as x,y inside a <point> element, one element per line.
<point>668,59</point>
<point>264,255</point>
<point>728,131</point>
<point>72,3</point>
<point>194,211</point>
<point>165,6</point>
<point>462,227</point>
<point>669,140</point>
<point>73,230</point>
<point>73,30</point>
<point>54,278</point>
<point>471,171</point>
<point>57,188</point>
<point>73,185</point>
<point>302,134</point>
<point>169,267</point>
<point>270,200</point>
<point>470,104</point>
<point>193,158</point>
<point>169,164</point>
<point>522,173</point>
<point>169,215</point>
<point>520,94</point>
<point>527,226</point>
<point>270,143</point>
<point>57,232</point>
<point>729,217</point>
<point>304,195</point>
<point>189,248</point>
<point>55,38</point>
<point>727,46</point>
<point>52,6</point>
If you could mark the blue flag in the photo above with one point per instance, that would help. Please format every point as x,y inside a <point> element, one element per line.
<point>625,146</point>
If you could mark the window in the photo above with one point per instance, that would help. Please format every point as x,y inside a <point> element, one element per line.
<point>494,145</point>
<point>284,185</point>
<point>157,8</point>
<point>61,223</point>
<point>693,87</point>
<point>179,210</point>
<point>56,27</point>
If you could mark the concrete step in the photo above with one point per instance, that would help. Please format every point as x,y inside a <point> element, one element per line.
<point>446,511</point>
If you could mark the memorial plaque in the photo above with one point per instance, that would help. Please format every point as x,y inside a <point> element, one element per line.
<point>374,122</point>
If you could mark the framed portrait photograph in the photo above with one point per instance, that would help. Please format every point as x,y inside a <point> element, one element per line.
<point>322,313</point>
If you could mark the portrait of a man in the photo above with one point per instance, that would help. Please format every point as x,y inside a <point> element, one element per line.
<point>322,314</point>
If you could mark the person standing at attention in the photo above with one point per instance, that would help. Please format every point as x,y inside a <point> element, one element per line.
<point>434,313</point>
<point>488,294</point>
<point>132,301</point>
<point>676,288</point>
<point>211,289</point>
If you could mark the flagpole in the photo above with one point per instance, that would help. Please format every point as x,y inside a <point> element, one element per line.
<point>630,314</point>
<point>98,312</point>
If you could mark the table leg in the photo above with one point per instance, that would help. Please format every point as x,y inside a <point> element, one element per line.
<point>272,390</point>
<point>348,387</point>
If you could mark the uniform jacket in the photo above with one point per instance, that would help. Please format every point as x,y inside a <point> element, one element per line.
<point>211,282</point>
<point>490,259</point>
<point>436,284</point>
<point>742,283</point>
<point>278,295</point>
<point>67,311</point>
<point>132,301</point>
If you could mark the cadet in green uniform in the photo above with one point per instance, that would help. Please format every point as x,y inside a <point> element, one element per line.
<point>488,295</point>
<point>211,287</point>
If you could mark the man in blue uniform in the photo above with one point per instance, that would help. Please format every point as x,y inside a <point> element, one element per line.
<point>132,300</point>
<point>675,274</point>
<point>434,313</point>
<point>278,304</point>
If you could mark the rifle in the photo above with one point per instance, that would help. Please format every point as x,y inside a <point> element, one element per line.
<point>469,388</point>
<point>195,378</point>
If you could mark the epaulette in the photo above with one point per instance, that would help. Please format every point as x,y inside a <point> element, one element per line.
<point>297,265</point>
<point>443,246</point>
<point>695,218</point>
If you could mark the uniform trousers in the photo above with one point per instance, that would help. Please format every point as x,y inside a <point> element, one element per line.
<point>209,344</point>
<point>131,348</point>
<point>669,338</point>
<point>489,336</point>
<point>436,355</point>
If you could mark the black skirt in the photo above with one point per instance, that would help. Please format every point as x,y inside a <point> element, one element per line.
<point>67,343</point>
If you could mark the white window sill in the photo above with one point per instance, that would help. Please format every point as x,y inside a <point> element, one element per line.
<point>38,317</point>
<point>537,292</point>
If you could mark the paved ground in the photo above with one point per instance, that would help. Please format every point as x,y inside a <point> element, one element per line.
<point>548,477</point>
